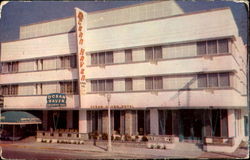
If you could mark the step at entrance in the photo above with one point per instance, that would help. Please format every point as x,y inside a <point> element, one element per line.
<point>184,146</point>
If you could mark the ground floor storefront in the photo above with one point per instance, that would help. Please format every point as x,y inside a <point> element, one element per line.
<point>210,127</point>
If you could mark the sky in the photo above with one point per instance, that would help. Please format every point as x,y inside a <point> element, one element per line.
<point>16,14</point>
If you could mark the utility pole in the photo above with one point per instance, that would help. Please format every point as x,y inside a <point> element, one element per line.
<point>109,124</point>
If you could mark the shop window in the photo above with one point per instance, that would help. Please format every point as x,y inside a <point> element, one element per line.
<point>153,53</point>
<point>128,55</point>
<point>128,84</point>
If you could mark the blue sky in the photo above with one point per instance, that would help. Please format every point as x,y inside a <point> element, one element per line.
<point>15,14</point>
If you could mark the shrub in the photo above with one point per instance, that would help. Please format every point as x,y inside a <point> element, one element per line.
<point>144,138</point>
<point>104,136</point>
<point>127,137</point>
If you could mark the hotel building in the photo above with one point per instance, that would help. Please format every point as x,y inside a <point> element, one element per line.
<point>168,73</point>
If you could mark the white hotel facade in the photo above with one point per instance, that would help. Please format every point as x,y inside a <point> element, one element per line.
<point>168,72</point>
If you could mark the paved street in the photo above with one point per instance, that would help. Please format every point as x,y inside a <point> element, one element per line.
<point>35,150</point>
<point>12,152</point>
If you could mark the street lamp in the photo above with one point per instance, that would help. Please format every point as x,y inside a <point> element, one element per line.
<point>109,124</point>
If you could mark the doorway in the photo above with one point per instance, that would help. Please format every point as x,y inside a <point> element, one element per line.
<point>191,123</point>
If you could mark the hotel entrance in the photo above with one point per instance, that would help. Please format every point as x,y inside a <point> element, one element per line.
<point>190,125</point>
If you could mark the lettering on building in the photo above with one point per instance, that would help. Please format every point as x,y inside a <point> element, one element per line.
<point>56,100</point>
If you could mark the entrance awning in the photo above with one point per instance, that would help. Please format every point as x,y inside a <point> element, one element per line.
<point>18,118</point>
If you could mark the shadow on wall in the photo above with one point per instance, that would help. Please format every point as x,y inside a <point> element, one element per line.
<point>185,88</point>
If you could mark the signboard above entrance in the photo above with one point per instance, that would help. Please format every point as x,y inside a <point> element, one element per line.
<point>56,100</point>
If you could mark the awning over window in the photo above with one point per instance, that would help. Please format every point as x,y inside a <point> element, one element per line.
<point>18,118</point>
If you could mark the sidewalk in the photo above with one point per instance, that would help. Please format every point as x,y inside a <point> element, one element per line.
<point>156,153</point>
<point>182,150</point>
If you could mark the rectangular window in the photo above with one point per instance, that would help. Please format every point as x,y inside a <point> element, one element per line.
<point>94,58</point>
<point>10,89</point>
<point>128,84</point>
<point>108,57</point>
<point>158,84</point>
<point>149,83</point>
<point>211,47</point>
<point>101,58</point>
<point>102,85</point>
<point>201,48</point>
<point>94,86</point>
<point>223,46</point>
<point>153,83</point>
<point>149,53</point>
<point>153,53</point>
<point>224,79</point>
<point>213,80</point>
<point>202,80</point>
<point>69,87</point>
<point>128,55</point>
<point>157,52</point>
<point>73,61</point>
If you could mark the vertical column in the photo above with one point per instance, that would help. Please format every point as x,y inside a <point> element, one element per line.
<point>122,122</point>
<point>69,119</point>
<point>105,122</point>
<point>154,125</point>
<point>82,121</point>
<point>175,123</point>
<point>45,120</point>
<point>231,123</point>
<point>128,122</point>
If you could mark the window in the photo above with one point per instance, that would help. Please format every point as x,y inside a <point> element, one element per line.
<point>102,58</point>
<point>201,48</point>
<point>224,79</point>
<point>149,82</point>
<point>153,53</point>
<point>10,67</point>
<point>202,80</point>
<point>128,55</point>
<point>69,87</point>
<point>212,47</point>
<point>213,80</point>
<point>10,89</point>
<point>158,84</point>
<point>94,58</point>
<point>223,46</point>
<point>108,57</point>
<point>153,83</point>
<point>102,85</point>
<point>68,61</point>
<point>128,84</point>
